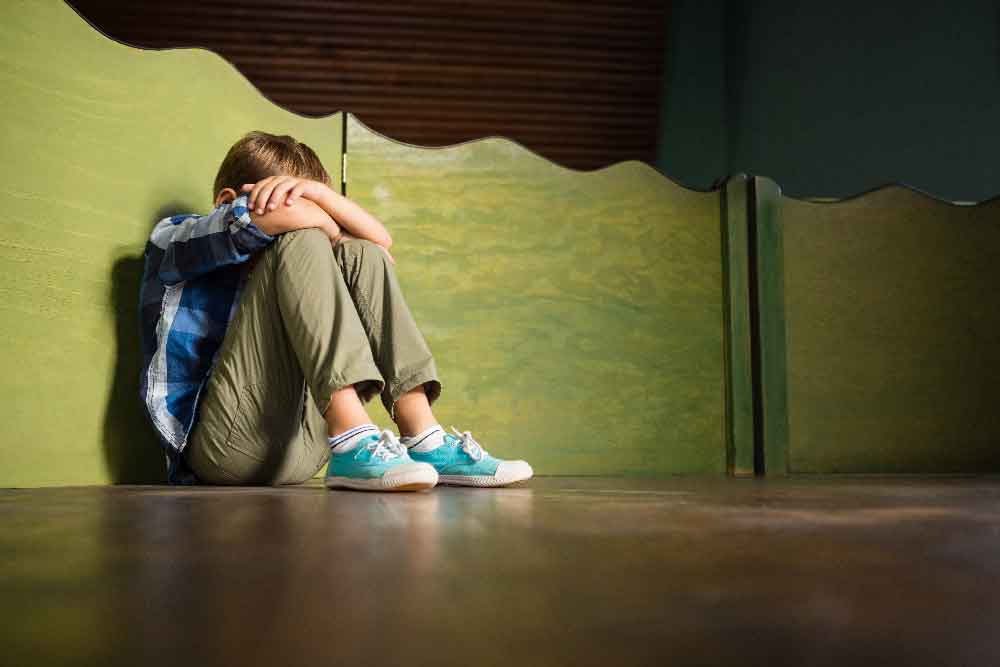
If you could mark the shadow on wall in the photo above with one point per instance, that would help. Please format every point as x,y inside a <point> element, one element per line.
<point>132,452</point>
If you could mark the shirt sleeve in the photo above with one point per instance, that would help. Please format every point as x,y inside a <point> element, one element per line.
<point>194,245</point>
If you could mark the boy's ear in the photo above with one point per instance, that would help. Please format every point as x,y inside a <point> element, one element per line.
<point>225,195</point>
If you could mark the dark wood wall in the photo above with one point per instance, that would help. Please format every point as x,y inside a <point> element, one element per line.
<point>577,81</point>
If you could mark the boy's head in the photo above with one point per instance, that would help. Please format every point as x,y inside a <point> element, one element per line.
<point>258,155</point>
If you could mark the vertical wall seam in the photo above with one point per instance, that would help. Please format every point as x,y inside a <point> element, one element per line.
<point>753,286</point>
<point>729,422</point>
<point>343,152</point>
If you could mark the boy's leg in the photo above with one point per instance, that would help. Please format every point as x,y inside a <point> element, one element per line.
<point>405,361</point>
<point>400,351</point>
<point>294,339</point>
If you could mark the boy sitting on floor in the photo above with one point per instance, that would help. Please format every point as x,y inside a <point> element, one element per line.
<point>266,327</point>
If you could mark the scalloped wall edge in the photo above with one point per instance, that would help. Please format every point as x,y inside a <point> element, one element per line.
<point>526,149</point>
<point>674,181</point>
<point>892,185</point>
<point>213,53</point>
<point>647,166</point>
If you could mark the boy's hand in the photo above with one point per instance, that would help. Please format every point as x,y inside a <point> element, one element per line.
<point>273,191</point>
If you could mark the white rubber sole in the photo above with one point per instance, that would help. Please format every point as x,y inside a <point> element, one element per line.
<point>411,477</point>
<point>507,472</point>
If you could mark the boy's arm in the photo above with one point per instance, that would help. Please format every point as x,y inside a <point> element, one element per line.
<point>231,234</point>
<point>275,192</point>
<point>355,220</point>
<point>194,245</point>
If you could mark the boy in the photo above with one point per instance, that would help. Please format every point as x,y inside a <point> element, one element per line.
<point>268,323</point>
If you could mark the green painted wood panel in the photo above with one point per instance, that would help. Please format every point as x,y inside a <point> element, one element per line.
<point>892,333</point>
<point>99,140</point>
<point>770,306</point>
<point>576,317</point>
<point>736,267</point>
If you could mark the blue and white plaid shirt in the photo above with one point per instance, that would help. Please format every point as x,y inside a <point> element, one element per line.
<point>195,268</point>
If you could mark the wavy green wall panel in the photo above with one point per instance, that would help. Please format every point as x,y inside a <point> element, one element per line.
<point>892,333</point>
<point>98,140</point>
<point>576,317</point>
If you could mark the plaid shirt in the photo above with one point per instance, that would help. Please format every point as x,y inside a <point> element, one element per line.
<point>195,268</point>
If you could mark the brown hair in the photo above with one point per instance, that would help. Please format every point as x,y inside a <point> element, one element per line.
<point>258,155</point>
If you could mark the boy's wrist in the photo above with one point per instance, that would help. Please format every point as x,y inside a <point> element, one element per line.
<point>333,231</point>
<point>327,199</point>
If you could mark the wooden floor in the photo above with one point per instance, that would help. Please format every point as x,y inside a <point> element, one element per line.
<point>562,571</point>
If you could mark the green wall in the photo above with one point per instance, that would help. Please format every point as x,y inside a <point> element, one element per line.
<point>877,339</point>
<point>578,317</point>
<point>879,333</point>
<point>591,322</point>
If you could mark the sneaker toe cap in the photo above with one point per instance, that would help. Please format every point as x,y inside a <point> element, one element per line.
<point>513,471</point>
<point>410,473</point>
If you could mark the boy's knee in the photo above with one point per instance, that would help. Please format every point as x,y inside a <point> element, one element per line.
<point>364,250</point>
<point>311,239</point>
<point>357,244</point>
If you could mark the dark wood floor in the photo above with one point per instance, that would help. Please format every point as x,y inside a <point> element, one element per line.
<point>806,571</point>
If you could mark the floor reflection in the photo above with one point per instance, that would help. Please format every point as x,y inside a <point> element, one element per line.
<point>561,571</point>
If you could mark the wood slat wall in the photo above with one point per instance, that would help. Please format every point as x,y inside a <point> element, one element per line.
<point>578,82</point>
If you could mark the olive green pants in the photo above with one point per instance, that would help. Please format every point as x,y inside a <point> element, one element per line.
<point>311,319</point>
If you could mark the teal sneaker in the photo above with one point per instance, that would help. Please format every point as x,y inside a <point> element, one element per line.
<point>462,461</point>
<point>379,463</point>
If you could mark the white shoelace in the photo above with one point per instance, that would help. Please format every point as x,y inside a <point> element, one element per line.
<point>469,444</point>
<point>386,447</point>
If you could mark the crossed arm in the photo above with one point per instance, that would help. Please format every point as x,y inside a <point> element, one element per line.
<point>282,203</point>
<point>187,246</point>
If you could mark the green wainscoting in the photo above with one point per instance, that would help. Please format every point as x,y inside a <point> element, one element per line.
<point>99,140</point>
<point>736,266</point>
<point>576,317</point>
<point>880,333</point>
<point>591,322</point>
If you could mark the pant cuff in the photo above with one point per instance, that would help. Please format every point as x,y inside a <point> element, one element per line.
<point>367,385</point>
<point>427,378</point>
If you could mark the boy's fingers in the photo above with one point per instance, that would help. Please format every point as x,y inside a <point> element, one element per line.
<point>261,189</point>
<point>265,195</point>
<point>278,194</point>
<point>281,185</point>
<point>255,192</point>
<point>295,192</point>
